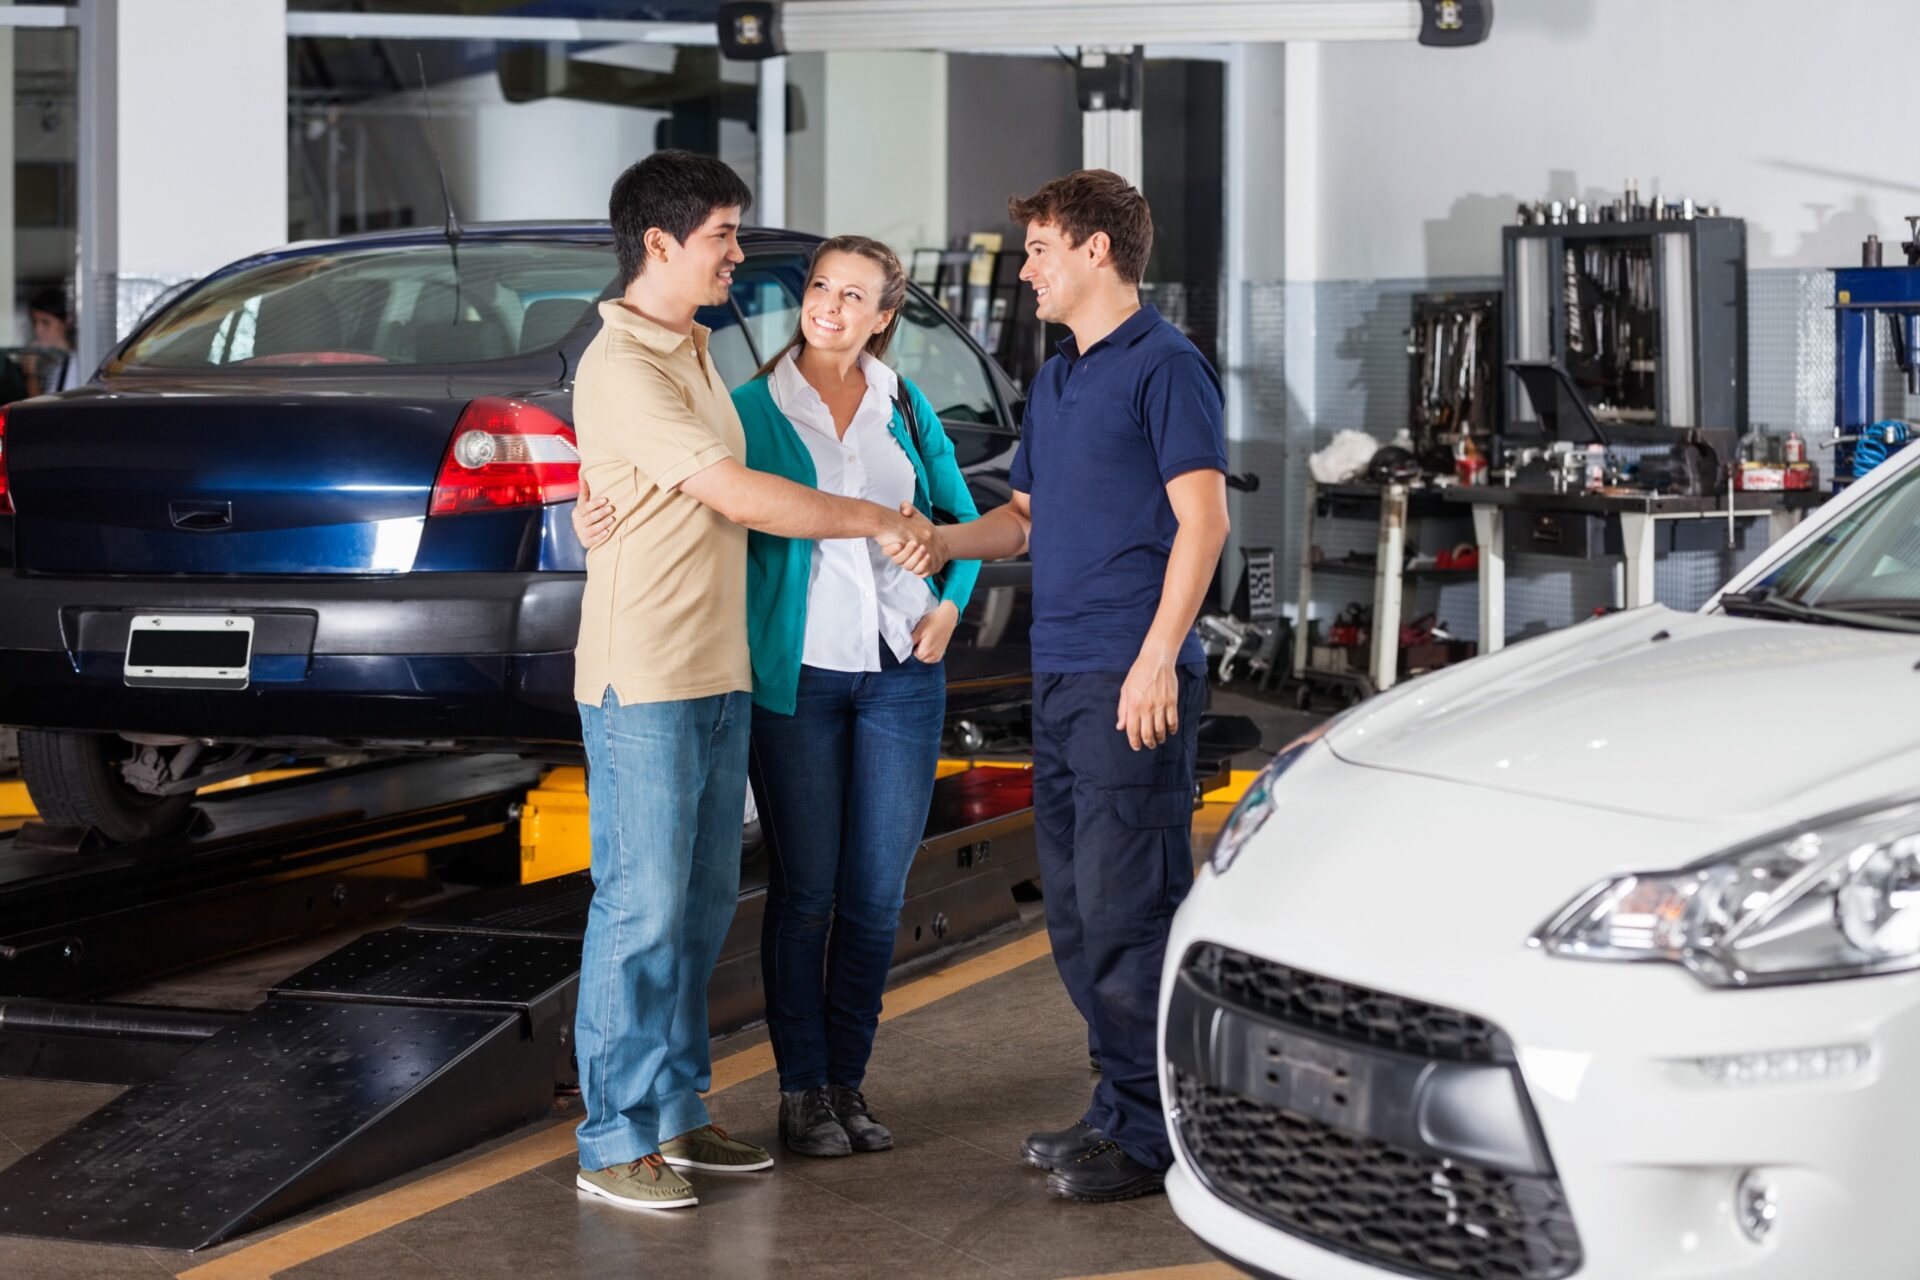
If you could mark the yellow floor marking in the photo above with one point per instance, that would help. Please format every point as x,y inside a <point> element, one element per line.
<point>357,1222</point>
<point>1193,1271</point>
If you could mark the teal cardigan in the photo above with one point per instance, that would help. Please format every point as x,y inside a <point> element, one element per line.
<point>778,569</point>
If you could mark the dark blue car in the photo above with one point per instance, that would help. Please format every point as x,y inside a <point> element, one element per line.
<point>320,503</point>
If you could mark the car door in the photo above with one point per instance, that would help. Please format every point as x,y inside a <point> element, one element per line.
<point>988,662</point>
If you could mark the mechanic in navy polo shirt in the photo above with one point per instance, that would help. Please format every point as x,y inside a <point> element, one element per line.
<point>1119,494</point>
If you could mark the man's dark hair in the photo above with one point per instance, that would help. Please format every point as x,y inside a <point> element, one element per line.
<point>1090,200</point>
<point>50,301</point>
<point>676,191</point>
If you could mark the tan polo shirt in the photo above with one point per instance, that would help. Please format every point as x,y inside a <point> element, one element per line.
<point>664,616</point>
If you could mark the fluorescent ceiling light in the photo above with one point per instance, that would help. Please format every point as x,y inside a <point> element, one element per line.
<point>799,26</point>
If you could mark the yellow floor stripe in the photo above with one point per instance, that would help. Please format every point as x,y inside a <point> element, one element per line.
<point>343,1227</point>
<point>1194,1271</point>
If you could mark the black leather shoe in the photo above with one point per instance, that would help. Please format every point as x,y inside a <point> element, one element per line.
<point>1058,1148</point>
<point>1103,1174</point>
<point>808,1126</point>
<point>866,1133</point>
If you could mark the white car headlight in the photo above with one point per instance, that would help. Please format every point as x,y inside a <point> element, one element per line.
<point>1838,897</point>
<point>1256,805</point>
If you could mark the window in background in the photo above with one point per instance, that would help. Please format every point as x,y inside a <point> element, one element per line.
<point>526,131</point>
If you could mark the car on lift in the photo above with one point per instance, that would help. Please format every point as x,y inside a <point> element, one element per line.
<point>1600,954</point>
<point>319,503</point>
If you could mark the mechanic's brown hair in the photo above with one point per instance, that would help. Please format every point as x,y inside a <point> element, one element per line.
<point>1091,200</point>
<point>893,292</point>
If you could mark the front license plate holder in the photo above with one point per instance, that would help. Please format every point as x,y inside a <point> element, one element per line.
<point>189,651</point>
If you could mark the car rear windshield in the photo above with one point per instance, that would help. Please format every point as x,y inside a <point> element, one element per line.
<point>399,305</point>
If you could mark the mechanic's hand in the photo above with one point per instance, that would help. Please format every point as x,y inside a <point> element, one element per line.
<point>929,558</point>
<point>907,537</point>
<point>592,518</point>
<point>1150,703</point>
<point>933,632</point>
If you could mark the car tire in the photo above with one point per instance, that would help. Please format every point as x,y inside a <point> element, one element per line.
<point>74,781</point>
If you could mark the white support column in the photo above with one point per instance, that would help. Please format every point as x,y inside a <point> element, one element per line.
<point>97,186</point>
<point>770,201</point>
<point>1113,140</point>
<point>1490,538</point>
<point>192,172</point>
<point>1389,586</point>
<point>1636,538</point>
<point>1303,624</point>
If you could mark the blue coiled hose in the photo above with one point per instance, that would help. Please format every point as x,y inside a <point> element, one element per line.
<point>1878,443</point>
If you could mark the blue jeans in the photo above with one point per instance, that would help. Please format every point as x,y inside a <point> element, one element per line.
<point>844,784</point>
<point>665,797</point>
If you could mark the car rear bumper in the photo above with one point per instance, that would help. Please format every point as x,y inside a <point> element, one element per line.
<point>447,658</point>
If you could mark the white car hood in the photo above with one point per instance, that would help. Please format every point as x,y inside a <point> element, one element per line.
<point>1719,719</point>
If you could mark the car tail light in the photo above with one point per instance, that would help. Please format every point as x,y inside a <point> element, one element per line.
<point>6,494</point>
<point>506,453</point>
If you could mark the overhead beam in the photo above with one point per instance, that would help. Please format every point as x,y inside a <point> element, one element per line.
<point>766,28</point>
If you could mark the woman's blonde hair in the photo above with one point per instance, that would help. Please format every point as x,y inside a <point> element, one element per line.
<point>893,294</point>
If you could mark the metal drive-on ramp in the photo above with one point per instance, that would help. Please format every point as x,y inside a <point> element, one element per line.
<point>413,1043</point>
<point>402,1047</point>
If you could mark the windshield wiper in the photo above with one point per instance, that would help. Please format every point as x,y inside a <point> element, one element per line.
<point>1760,603</point>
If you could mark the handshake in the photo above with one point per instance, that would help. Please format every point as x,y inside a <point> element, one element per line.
<point>911,540</point>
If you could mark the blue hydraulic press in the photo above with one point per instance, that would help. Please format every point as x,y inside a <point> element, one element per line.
<point>1861,438</point>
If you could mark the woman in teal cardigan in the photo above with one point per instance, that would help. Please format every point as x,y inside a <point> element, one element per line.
<point>849,689</point>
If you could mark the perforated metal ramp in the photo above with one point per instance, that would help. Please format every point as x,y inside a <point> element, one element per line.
<point>403,1047</point>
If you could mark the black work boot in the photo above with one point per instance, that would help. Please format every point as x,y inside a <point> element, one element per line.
<point>866,1133</point>
<point>1105,1173</point>
<point>808,1126</point>
<point>1057,1148</point>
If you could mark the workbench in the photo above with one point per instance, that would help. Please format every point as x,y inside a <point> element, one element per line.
<point>1395,510</point>
<point>1637,515</point>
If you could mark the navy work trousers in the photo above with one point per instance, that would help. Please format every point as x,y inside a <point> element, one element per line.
<point>1113,829</point>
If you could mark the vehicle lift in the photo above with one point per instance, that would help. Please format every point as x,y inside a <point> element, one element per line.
<point>1861,295</point>
<point>406,1045</point>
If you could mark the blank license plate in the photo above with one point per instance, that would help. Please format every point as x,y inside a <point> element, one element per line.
<point>204,651</point>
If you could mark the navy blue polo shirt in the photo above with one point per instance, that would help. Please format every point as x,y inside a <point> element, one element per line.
<point>1104,432</point>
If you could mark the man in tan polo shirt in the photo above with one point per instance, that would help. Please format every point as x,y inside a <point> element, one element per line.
<point>663,681</point>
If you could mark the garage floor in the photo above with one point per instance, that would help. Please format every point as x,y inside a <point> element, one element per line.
<point>975,1052</point>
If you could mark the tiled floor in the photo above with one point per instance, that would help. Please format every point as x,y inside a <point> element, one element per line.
<point>960,1081</point>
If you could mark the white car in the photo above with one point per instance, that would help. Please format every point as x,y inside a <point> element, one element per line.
<point>1597,956</point>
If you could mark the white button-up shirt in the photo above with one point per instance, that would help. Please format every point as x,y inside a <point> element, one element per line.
<point>855,592</point>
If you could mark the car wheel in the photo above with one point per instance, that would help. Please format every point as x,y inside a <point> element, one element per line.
<point>75,781</point>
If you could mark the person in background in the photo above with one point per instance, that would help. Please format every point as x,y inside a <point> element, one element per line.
<point>54,367</point>
<point>849,686</point>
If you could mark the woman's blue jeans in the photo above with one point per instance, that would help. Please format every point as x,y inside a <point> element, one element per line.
<point>843,785</point>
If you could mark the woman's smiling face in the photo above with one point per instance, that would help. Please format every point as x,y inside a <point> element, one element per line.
<point>841,311</point>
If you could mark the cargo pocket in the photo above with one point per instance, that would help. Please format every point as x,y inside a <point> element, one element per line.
<point>1159,820</point>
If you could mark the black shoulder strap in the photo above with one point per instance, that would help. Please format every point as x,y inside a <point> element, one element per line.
<point>904,402</point>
